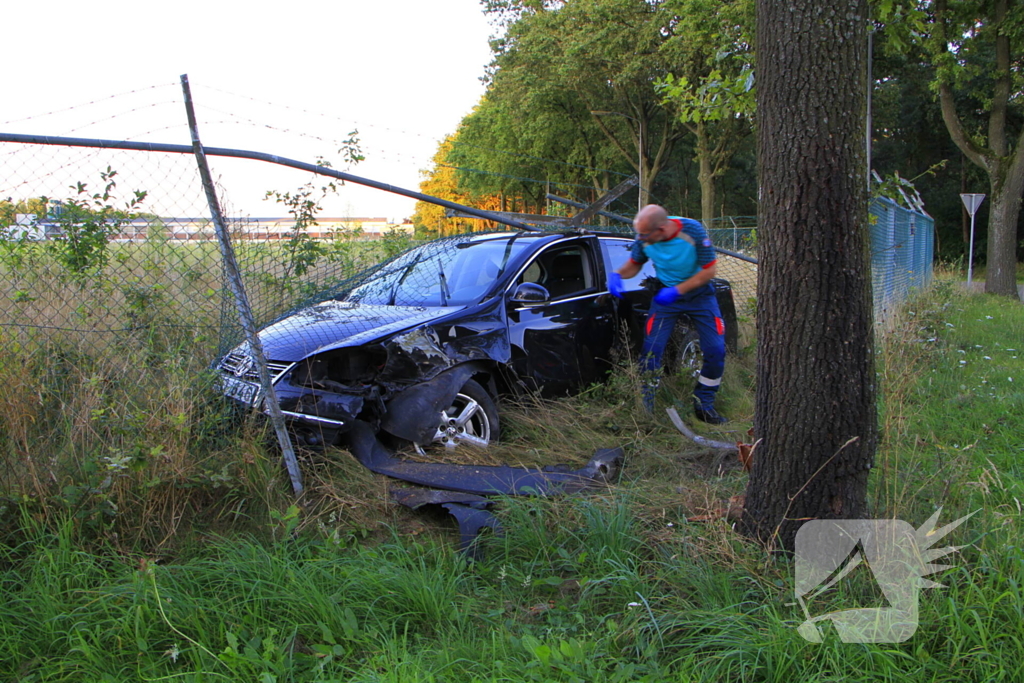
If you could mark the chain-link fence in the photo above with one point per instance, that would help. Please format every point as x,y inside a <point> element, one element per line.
<point>114,245</point>
<point>113,278</point>
<point>90,255</point>
<point>735,233</point>
<point>902,251</point>
<point>115,303</point>
<point>106,247</point>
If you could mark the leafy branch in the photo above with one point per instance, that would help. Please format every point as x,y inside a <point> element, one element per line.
<point>302,251</point>
<point>88,220</point>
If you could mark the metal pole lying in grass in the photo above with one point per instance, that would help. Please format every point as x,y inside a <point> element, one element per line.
<point>241,299</point>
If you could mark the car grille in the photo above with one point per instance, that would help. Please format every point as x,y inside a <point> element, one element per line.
<point>244,368</point>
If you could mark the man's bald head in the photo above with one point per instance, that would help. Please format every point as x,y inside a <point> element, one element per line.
<point>650,222</point>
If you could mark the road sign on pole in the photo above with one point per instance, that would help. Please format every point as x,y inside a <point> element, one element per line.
<point>971,203</point>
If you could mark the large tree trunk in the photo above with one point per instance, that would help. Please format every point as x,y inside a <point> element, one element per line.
<point>1006,186</point>
<point>705,174</point>
<point>1008,181</point>
<point>815,400</point>
<point>1001,255</point>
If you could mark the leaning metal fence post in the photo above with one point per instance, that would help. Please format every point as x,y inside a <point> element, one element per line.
<point>241,300</point>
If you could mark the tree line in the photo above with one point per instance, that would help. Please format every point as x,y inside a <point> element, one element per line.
<point>583,93</point>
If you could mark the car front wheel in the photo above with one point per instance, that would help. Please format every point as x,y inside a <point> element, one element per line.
<point>472,419</point>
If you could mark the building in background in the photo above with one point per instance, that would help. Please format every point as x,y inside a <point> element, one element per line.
<point>201,228</point>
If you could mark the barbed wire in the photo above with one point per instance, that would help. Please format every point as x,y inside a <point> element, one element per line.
<point>228,116</point>
<point>362,124</point>
<point>174,84</point>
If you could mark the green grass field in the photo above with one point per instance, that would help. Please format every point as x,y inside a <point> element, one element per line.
<point>149,536</point>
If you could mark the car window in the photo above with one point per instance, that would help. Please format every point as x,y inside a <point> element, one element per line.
<point>615,251</point>
<point>532,274</point>
<point>563,271</point>
<point>446,272</point>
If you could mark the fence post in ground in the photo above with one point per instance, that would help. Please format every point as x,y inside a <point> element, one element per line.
<point>241,299</point>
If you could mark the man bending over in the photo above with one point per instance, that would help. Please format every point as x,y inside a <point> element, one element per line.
<point>685,263</point>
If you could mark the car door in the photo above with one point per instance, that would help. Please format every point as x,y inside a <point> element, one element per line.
<point>640,290</point>
<point>631,310</point>
<point>562,339</point>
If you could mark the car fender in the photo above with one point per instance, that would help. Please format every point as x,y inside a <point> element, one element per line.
<point>413,414</point>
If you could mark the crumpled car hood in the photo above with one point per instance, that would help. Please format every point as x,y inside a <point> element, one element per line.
<point>336,324</point>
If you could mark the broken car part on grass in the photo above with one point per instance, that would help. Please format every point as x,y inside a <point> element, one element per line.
<point>464,486</point>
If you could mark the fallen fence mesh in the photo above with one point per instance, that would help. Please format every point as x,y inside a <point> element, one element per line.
<point>107,247</point>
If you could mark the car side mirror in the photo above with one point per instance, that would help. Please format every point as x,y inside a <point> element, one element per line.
<point>530,293</point>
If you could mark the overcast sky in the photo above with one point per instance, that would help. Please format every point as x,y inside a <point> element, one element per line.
<point>287,78</point>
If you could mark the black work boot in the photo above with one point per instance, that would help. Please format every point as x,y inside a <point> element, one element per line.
<point>709,415</point>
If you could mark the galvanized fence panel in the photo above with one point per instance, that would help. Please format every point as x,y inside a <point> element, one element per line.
<point>902,250</point>
<point>902,246</point>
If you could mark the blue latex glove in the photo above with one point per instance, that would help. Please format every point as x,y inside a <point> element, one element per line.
<point>668,295</point>
<point>615,286</point>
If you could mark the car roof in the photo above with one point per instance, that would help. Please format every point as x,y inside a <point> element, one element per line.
<point>546,235</point>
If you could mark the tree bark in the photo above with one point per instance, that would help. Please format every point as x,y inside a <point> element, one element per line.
<point>815,399</point>
<point>1001,254</point>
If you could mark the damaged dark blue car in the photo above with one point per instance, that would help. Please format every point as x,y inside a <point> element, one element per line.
<point>421,347</point>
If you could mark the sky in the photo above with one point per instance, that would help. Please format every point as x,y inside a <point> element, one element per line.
<point>290,78</point>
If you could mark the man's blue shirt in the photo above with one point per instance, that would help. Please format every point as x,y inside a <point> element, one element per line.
<point>677,259</point>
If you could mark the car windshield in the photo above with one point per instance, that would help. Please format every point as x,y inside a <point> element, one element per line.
<point>448,272</point>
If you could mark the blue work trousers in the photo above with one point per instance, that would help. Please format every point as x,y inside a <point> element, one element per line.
<point>702,307</point>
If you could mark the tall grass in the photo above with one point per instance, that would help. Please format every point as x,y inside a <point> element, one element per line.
<point>953,403</point>
<point>122,444</point>
<point>147,540</point>
<point>549,603</point>
<point>108,411</point>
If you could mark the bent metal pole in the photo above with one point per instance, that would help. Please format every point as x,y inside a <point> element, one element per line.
<point>270,158</point>
<point>241,299</point>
